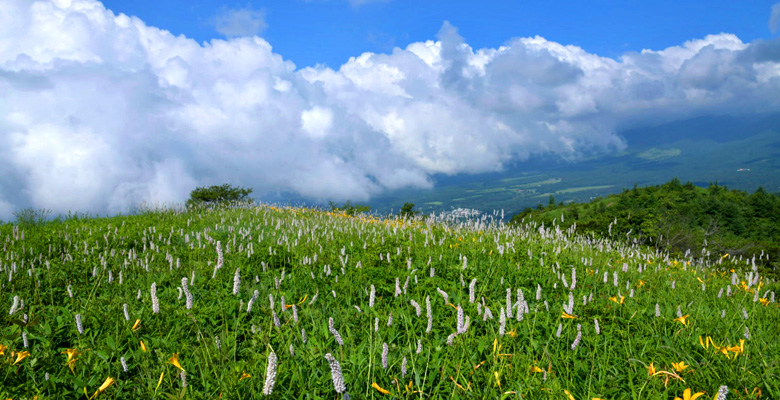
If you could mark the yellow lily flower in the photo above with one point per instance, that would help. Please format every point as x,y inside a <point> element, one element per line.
<point>651,369</point>
<point>244,375</point>
<point>568,394</point>
<point>72,353</point>
<point>564,314</point>
<point>175,361</point>
<point>136,325</point>
<point>640,283</point>
<point>764,301</point>
<point>534,368</point>
<point>680,366</point>
<point>2,349</point>
<point>160,381</point>
<point>21,356</point>
<point>687,395</point>
<point>498,381</point>
<point>108,382</point>
<point>380,389</point>
<point>683,320</point>
<point>143,346</point>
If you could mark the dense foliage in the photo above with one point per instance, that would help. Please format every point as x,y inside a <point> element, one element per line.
<point>679,217</point>
<point>226,193</point>
<point>349,208</point>
<point>258,299</point>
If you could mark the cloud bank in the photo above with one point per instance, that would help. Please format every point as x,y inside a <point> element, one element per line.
<point>100,111</point>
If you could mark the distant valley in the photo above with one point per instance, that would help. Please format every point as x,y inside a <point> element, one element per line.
<point>740,153</point>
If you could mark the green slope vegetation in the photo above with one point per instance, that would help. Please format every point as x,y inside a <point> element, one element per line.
<point>679,217</point>
<point>260,299</point>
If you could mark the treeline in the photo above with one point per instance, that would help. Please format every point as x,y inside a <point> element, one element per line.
<point>678,217</point>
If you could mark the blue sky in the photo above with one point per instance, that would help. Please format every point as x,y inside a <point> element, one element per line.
<point>331,31</point>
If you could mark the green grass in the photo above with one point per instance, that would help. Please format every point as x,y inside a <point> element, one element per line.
<point>655,154</point>
<point>306,256</point>
<point>582,189</point>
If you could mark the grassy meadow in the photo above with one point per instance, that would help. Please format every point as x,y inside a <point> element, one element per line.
<point>236,303</point>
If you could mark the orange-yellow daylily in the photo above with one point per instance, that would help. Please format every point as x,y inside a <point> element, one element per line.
<point>136,325</point>
<point>160,381</point>
<point>108,382</point>
<point>683,320</point>
<point>175,361</point>
<point>640,283</point>
<point>244,375</point>
<point>564,314</point>
<point>534,368</point>
<point>651,369</point>
<point>679,366</point>
<point>21,356</point>
<point>687,395</point>
<point>614,298</point>
<point>568,394</point>
<point>455,382</point>
<point>380,389</point>
<point>498,381</point>
<point>737,350</point>
<point>143,346</point>
<point>72,353</point>
<point>2,349</point>
<point>764,301</point>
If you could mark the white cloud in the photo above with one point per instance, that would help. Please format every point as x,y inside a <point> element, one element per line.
<point>101,111</point>
<point>240,22</point>
<point>317,121</point>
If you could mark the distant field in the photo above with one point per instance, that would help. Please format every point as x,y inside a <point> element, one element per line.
<point>577,189</point>
<point>659,154</point>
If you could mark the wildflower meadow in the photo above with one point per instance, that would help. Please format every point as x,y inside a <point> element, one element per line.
<point>253,301</point>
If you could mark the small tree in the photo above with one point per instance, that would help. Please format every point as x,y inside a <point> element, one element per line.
<point>407,210</point>
<point>217,194</point>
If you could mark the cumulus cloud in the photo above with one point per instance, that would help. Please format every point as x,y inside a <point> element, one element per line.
<point>101,111</point>
<point>240,22</point>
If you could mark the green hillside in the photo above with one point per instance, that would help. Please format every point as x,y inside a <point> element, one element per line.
<point>235,303</point>
<point>679,218</point>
